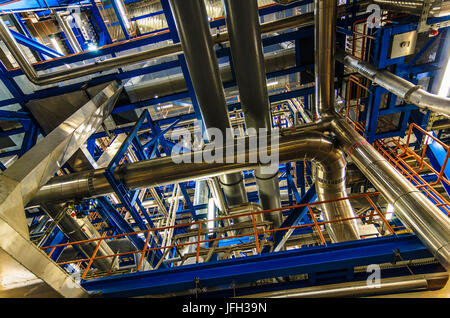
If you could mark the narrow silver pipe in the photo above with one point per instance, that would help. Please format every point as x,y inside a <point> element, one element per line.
<point>193,30</point>
<point>248,59</point>
<point>324,50</point>
<point>67,32</point>
<point>354,289</point>
<point>411,206</point>
<point>408,91</point>
<point>217,194</point>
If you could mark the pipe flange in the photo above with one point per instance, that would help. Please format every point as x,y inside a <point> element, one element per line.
<point>231,184</point>
<point>267,178</point>
<point>330,182</point>
<point>409,92</point>
<point>91,182</point>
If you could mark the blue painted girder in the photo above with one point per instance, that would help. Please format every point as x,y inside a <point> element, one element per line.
<point>34,45</point>
<point>437,154</point>
<point>246,269</point>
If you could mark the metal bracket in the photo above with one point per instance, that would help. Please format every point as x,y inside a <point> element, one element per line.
<point>422,26</point>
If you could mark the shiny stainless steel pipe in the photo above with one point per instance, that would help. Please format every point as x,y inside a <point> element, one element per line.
<point>324,49</point>
<point>193,30</point>
<point>70,36</point>
<point>411,206</point>
<point>329,187</point>
<point>248,59</point>
<point>411,93</point>
<point>293,146</point>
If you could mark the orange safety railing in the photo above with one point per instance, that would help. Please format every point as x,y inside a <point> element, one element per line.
<point>105,19</point>
<point>398,154</point>
<point>258,230</point>
<point>354,80</point>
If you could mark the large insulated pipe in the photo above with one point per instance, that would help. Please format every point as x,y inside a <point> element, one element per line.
<point>303,145</point>
<point>324,50</point>
<point>195,36</point>
<point>81,230</point>
<point>411,206</point>
<point>409,92</point>
<point>248,60</point>
<point>330,187</point>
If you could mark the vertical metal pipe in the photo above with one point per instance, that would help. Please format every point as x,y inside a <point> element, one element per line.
<point>193,30</point>
<point>324,50</point>
<point>248,60</point>
<point>68,32</point>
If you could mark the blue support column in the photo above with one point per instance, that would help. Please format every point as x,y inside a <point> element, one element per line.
<point>103,31</point>
<point>34,45</point>
<point>124,195</point>
<point>437,154</point>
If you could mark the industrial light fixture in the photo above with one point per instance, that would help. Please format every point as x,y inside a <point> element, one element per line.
<point>92,47</point>
<point>272,83</point>
<point>389,211</point>
<point>211,208</point>
<point>56,45</point>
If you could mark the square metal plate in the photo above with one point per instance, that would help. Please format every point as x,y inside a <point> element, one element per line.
<point>403,44</point>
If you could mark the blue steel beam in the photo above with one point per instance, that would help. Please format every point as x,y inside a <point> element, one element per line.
<point>100,23</point>
<point>437,155</point>
<point>34,45</point>
<point>313,260</point>
<point>120,18</point>
<point>124,195</point>
<point>33,5</point>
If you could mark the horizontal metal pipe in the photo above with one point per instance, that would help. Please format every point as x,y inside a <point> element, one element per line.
<point>301,145</point>
<point>301,20</point>
<point>410,204</point>
<point>410,92</point>
<point>351,289</point>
